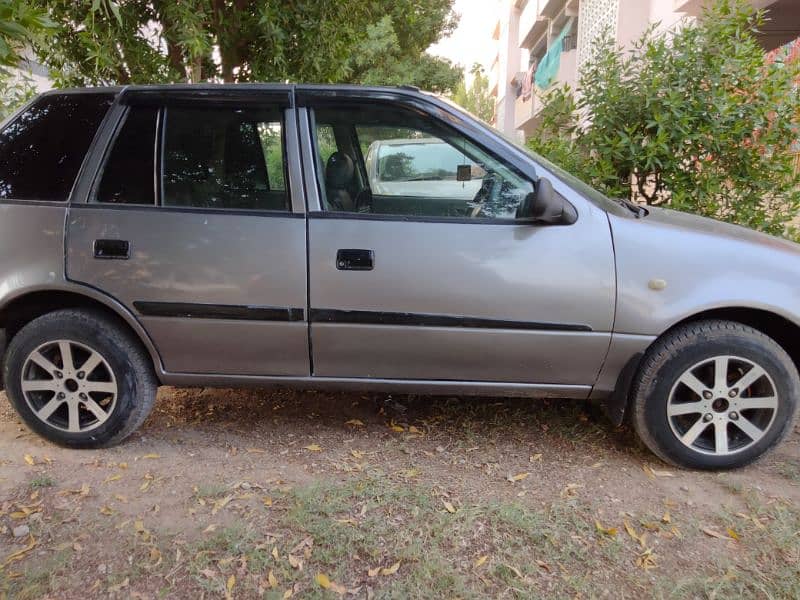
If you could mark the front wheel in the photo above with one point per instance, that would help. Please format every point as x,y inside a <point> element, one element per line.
<point>714,395</point>
<point>78,379</point>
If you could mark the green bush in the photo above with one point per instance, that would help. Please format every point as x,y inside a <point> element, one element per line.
<point>695,118</point>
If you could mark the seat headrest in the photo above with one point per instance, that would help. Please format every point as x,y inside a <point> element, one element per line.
<point>339,170</point>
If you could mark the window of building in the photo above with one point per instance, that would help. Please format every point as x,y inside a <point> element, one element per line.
<point>227,158</point>
<point>129,173</point>
<point>43,148</point>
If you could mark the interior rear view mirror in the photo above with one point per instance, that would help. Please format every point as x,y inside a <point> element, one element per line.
<point>464,173</point>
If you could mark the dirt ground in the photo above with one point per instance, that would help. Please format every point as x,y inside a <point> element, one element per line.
<point>278,494</point>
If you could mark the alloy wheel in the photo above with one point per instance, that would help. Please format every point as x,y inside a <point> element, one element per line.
<point>69,386</point>
<point>722,405</point>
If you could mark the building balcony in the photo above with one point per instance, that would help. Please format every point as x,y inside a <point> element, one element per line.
<point>526,113</point>
<point>531,24</point>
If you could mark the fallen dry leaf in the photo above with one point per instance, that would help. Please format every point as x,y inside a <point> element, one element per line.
<point>313,448</point>
<point>29,459</point>
<point>273,581</point>
<point>322,580</point>
<point>19,554</point>
<point>373,572</point>
<point>449,507</point>
<point>111,478</point>
<point>354,423</point>
<point>715,534</point>
<point>391,570</point>
<point>481,561</point>
<point>151,456</point>
<point>220,504</point>
<point>517,477</point>
<point>514,569</point>
<point>229,586</point>
<point>120,586</point>
<point>646,560</point>
<point>609,531</point>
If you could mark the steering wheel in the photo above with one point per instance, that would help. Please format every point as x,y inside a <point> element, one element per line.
<point>490,189</point>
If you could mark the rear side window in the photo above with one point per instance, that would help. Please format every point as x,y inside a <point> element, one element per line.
<point>224,157</point>
<point>42,149</point>
<point>129,173</point>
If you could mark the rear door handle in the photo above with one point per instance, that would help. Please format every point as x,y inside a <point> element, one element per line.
<point>118,249</point>
<point>354,259</point>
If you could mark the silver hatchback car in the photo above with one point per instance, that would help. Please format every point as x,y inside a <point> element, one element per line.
<point>367,238</point>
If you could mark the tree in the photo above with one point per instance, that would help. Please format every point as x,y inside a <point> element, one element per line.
<point>695,118</point>
<point>476,99</point>
<point>20,27</point>
<point>147,41</point>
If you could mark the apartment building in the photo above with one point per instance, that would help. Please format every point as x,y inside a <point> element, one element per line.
<point>541,43</point>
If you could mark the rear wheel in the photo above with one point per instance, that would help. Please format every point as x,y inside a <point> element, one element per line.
<point>78,379</point>
<point>714,395</point>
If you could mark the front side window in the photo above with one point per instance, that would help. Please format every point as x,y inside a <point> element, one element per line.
<point>227,158</point>
<point>382,161</point>
<point>43,148</point>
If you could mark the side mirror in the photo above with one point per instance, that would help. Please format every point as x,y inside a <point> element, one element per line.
<point>544,205</point>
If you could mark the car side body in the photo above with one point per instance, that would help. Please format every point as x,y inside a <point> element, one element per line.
<point>442,305</point>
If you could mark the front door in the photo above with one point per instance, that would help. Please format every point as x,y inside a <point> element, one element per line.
<point>190,224</point>
<point>418,269</point>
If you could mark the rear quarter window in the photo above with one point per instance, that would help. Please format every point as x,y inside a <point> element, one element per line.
<point>42,149</point>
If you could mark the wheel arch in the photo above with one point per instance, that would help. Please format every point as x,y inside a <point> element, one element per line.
<point>784,331</point>
<point>26,305</point>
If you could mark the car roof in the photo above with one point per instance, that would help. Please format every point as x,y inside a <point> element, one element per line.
<point>234,87</point>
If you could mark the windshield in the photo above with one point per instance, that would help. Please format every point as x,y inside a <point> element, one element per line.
<point>586,190</point>
<point>415,161</point>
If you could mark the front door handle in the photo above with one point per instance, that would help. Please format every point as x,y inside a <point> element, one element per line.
<point>353,259</point>
<point>119,249</point>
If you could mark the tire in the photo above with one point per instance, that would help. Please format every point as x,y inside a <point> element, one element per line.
<point>95,408</point>
<point>681,409</point>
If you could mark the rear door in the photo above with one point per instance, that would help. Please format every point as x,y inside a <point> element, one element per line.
<point>194,222</point>
<point>425,274</point>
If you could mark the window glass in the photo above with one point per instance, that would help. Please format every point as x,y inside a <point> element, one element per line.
<point>224,158</point>
<point>42,149</point>
<point>128,175</point>
<point>390,162</point>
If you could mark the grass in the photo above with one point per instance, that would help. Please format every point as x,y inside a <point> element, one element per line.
<point>42,481</point>
<point>211,490</point>
<point>498,549</point>
<point>35,581</point>
<point>766,563</point>
<point>790,469</point>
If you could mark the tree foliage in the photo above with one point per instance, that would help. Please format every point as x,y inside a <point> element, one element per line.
<point>146,41</point>
<point>695,118</point>
<point>20,26</point>
<point>476,98</point>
